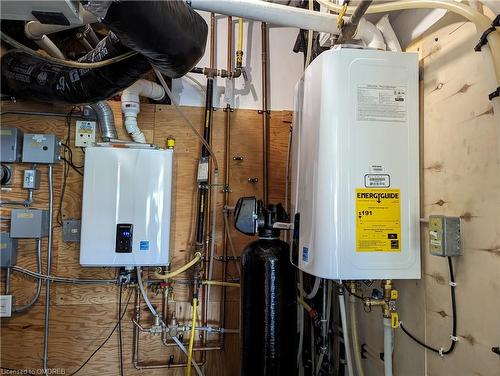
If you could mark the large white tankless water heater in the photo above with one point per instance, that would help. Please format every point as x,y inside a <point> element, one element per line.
<point>355,166</point>
<point>126,207</point>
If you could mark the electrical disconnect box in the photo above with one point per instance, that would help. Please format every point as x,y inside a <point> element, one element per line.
<point>31,179</point>
<point>8,250</point>
<point>85,133</point>
<point>29,223</point>
<point>126,207</point>
<point>41,148</point>
<point>355,166</point>
<point>444,236</point>
<point>11,142</point>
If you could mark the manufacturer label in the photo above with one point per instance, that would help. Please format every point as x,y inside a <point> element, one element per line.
<point>25,215</point>
<point>377,181</point>
<point>5,132</point>
<point>305,254</point>
<point>378,220</point>
<point>381,103</point>
<point>144,245</point>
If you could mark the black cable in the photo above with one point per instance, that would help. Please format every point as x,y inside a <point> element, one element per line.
<point>107,338</point>
<point>75,168</point>
<point>120,347</point>
<point>451,348</point>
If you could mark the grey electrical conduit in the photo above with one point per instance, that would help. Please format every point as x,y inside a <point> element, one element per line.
<point>49,265</point>
<point>156,315</point>
<point>24,307</point>
<point>75,281</point>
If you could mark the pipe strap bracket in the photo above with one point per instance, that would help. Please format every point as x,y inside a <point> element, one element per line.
<point>484,37</point>
<point>494,94</point>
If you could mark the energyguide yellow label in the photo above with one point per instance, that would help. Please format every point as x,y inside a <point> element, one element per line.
<point>378,220</point>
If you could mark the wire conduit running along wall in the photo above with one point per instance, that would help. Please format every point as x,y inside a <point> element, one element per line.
<point>166,34</point>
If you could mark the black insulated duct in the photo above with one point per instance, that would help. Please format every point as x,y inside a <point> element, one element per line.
<point>169,35</point>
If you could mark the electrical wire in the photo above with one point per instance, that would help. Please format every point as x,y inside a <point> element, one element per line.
<point>186,119</point>
<point>196,82</point>
<point>453,336</point>
<point>66,63</point>
<point>107,338</point>
<point>62,279</point>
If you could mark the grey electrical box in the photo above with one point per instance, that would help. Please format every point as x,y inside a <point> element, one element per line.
<point>444,236</point>
<point>11,144</point>
<point>8,250</point>
<point>29,223</point>
<point>71,230</point>
<point>41,148</point>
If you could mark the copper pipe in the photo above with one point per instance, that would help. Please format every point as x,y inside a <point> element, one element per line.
<point>265,119</point>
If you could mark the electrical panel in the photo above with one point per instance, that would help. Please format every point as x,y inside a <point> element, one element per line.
<point>8,250</point>
<point>85,133</point>
<point>444,236</point>
<point>355,166</point>
<point>126,207</point>
<point>29,223</point>
<point>41,148</point>
<point>11,144</point>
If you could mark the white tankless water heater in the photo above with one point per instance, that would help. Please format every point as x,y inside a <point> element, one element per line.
<point>126,207</point>
<point>355,166</point>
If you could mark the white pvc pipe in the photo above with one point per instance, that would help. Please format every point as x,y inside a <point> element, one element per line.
<point>46,44</point>
<point>355,340</point>
<point>131,105</point>
<point>387,347</point>
<point>369,34</point>
<point>391,40</point>
<point>276,14</point>
<point>345,332</point>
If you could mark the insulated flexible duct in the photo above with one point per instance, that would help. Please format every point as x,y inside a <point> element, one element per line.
<point>167,34</point>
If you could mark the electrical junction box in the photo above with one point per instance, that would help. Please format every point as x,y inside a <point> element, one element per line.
<point>41,148</point>
<point>71,230</point>
<point>85,133</point>
<point>444,236</point>
<point>8,250</point>
<point>5,305</point>
<point>355,166</point>
<point>126,207</point>
<point>11,144</point>
<point>29,223</point>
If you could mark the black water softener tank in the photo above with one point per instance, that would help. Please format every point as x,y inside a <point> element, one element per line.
<point>268,320</point>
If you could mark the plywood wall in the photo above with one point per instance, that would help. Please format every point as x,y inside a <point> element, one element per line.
<point>83,316</point>
<point>460,176</point>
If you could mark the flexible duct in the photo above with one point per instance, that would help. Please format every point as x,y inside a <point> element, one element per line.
<point>167,34</point>
<point>106,120</point>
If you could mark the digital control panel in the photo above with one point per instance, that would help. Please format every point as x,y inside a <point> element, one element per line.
<point>123,238</point>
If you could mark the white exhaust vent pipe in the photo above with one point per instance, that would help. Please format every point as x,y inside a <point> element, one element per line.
<point>369,34</point>
<point>391,40</point>
<point>131,105</point>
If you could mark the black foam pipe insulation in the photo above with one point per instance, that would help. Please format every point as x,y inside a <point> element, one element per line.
<point>169,35</point>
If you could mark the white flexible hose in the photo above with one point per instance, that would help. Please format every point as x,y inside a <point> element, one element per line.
<point>315,289</point>
<point>355,340</point>
<point>145,295</point>
<point>387,347</point>
<point>184,350</point>
<point>345,331</point>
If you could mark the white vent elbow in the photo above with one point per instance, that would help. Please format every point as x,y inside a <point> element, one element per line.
<point>131,105</point>
<point>370,35</point>
<point>391,40</point>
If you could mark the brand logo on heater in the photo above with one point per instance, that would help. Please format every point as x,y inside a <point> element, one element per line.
<point>144,245</point>
<point>305,254</point>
